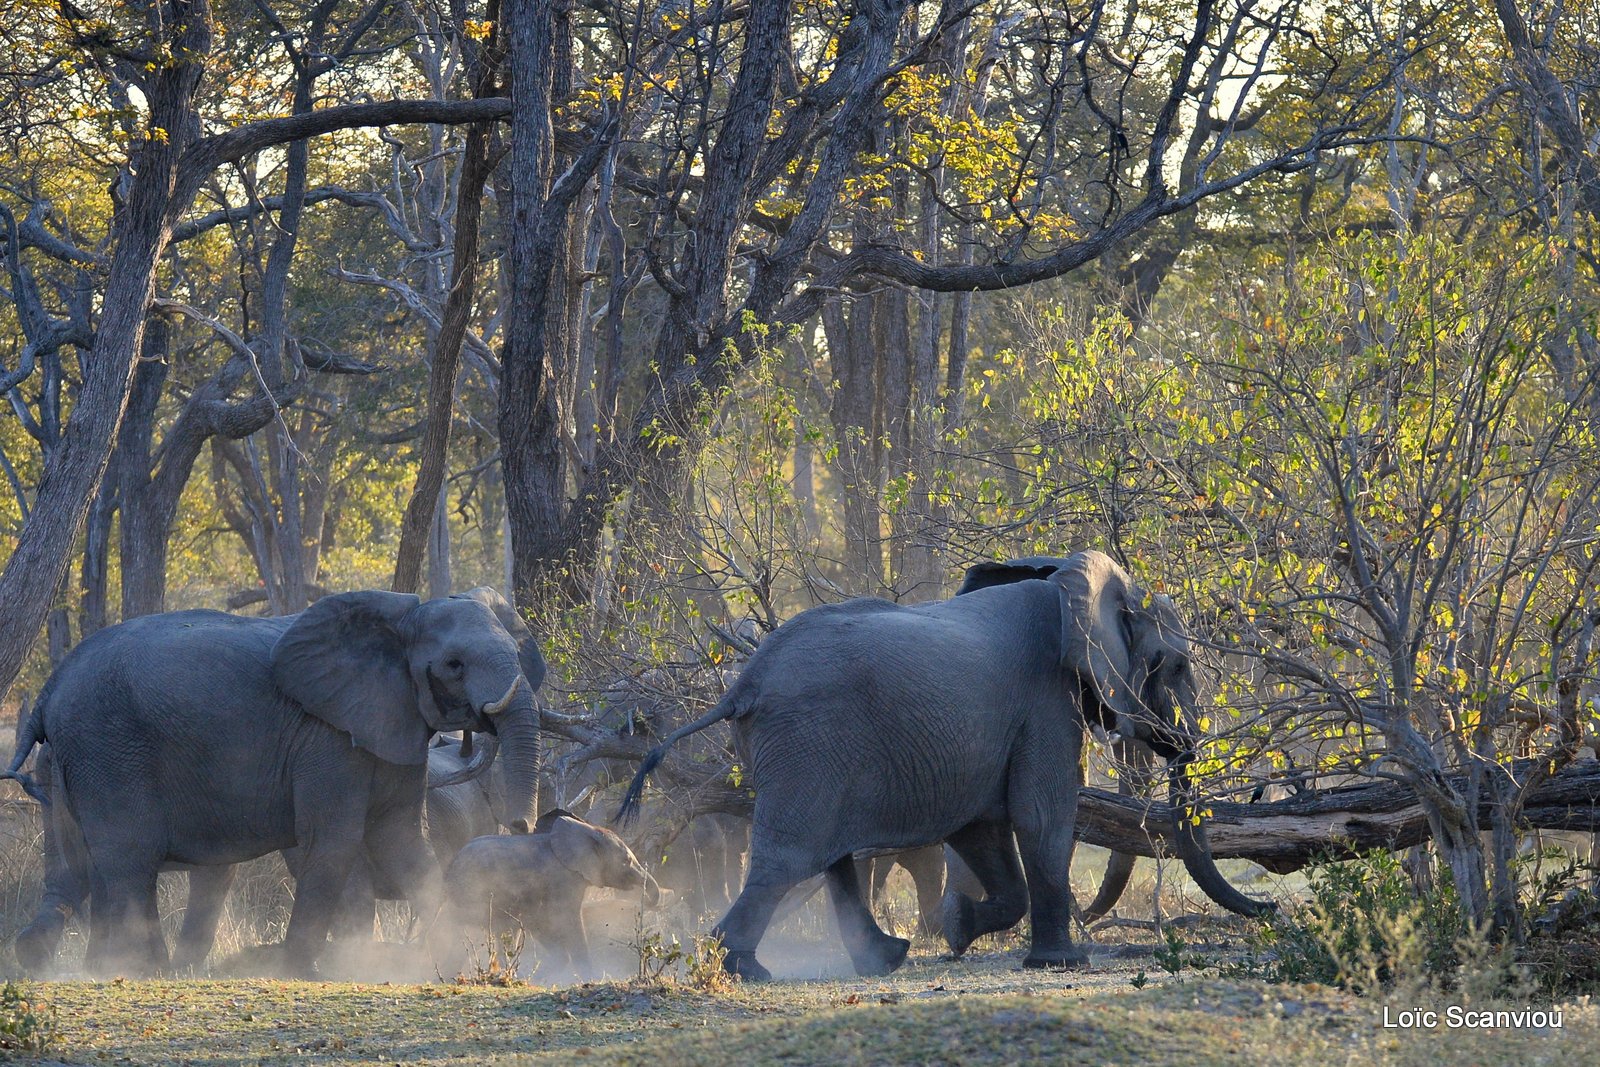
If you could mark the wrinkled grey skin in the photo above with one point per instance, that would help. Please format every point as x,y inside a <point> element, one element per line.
<point>872,725</point>
<point>202,739</point>
<point>537,881</point>
<point>457,812</point>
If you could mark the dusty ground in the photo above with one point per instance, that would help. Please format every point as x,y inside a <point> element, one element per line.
<point>984,1009</point>
<point>978,1010</point>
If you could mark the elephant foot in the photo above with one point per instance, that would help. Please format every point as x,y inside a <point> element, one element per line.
<point>35,946</point>
<point>1057,960</point>
<point>958,921</point>
<point>745,966</point>
<point>186,965</point>
<point>884,955</point>
<point>295,966</point>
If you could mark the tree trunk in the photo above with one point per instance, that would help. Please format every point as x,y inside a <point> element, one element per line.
<point>146,517</point>
<point>529,424</point>
<point>439,546</point>
<point>427,494</point>
<point>58,628</point>
<point>95,576</point>
<point>140,234</point>
<point>855,413</point>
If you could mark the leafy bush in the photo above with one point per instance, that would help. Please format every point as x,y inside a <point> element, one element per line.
<point>1562,951</point>
<point>26,1026</point>
<point>499,962</point>
<point>1365,927</point>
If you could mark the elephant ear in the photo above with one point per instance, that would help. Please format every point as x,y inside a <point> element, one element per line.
<point>344,661</point>
<point>1096,619</point>
<point>527,645</point>
<point>984,575</point>
<point>579,848</point>
<point>550,818</point>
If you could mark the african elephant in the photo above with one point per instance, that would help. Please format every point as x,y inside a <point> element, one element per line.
<point>1136,761</point>
<point>451,778</point>
<point>538,881</point>
<point>874,725</point>
<point>202,739</point>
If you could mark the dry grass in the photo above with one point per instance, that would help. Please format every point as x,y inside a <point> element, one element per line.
<point>979,1010</point>
<point>975,1011</point>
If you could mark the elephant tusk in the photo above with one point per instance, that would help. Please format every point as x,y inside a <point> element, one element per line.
<point>504,702</point>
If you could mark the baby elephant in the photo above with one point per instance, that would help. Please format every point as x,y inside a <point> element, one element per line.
<point>538,880</point>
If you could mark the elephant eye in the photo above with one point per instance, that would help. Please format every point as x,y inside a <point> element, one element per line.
<point>452,664</point>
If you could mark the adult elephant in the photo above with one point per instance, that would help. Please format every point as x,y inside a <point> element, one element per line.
<point>203,739</point>
<point>872,725</point>
<point>452,780</point>
<point>1135,760</point>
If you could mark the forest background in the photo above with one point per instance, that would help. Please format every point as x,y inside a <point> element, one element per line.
<point>674,319</point>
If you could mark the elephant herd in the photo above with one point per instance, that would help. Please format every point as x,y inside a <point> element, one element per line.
<point>199,740</point>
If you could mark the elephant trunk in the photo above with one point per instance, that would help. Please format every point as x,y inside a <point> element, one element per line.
<point>477,765</point>
<point>1119,871</point>
<point>521,748</point>
<point>1189,835</point>
<point>1136,763</point>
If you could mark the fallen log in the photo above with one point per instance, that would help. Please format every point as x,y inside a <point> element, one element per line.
<point>1287,835</point>
<point>1283,835</point>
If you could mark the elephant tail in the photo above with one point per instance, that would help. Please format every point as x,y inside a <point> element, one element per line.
<point>726,708</point>
<point>28,737</point>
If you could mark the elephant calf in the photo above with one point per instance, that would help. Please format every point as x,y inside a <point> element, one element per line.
<point>537,881</point>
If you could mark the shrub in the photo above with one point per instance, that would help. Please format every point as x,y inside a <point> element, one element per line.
<point>1365,927</point>
<point>26,1026</point>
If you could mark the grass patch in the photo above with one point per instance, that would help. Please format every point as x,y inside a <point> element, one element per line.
<point>973,1011</point>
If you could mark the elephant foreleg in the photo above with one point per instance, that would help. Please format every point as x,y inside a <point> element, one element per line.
<point>400,858</point>
<point>325,870</point>
<point>562,928</point>
<point>872,951</point>
<point>358,906</point>
<point>926,867</point>
<point>208,892</point>
<point>991,855</point>
<point>1047,859</point>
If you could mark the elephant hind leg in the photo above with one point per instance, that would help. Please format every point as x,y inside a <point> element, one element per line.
<point>988,850</point>
<point>872,951</point>
<point>125,928</point>
<point>742,928</point>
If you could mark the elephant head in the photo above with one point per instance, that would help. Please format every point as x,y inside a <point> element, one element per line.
<point>595,854</point>
<point>390,669</point>
<point>1131,653</point>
